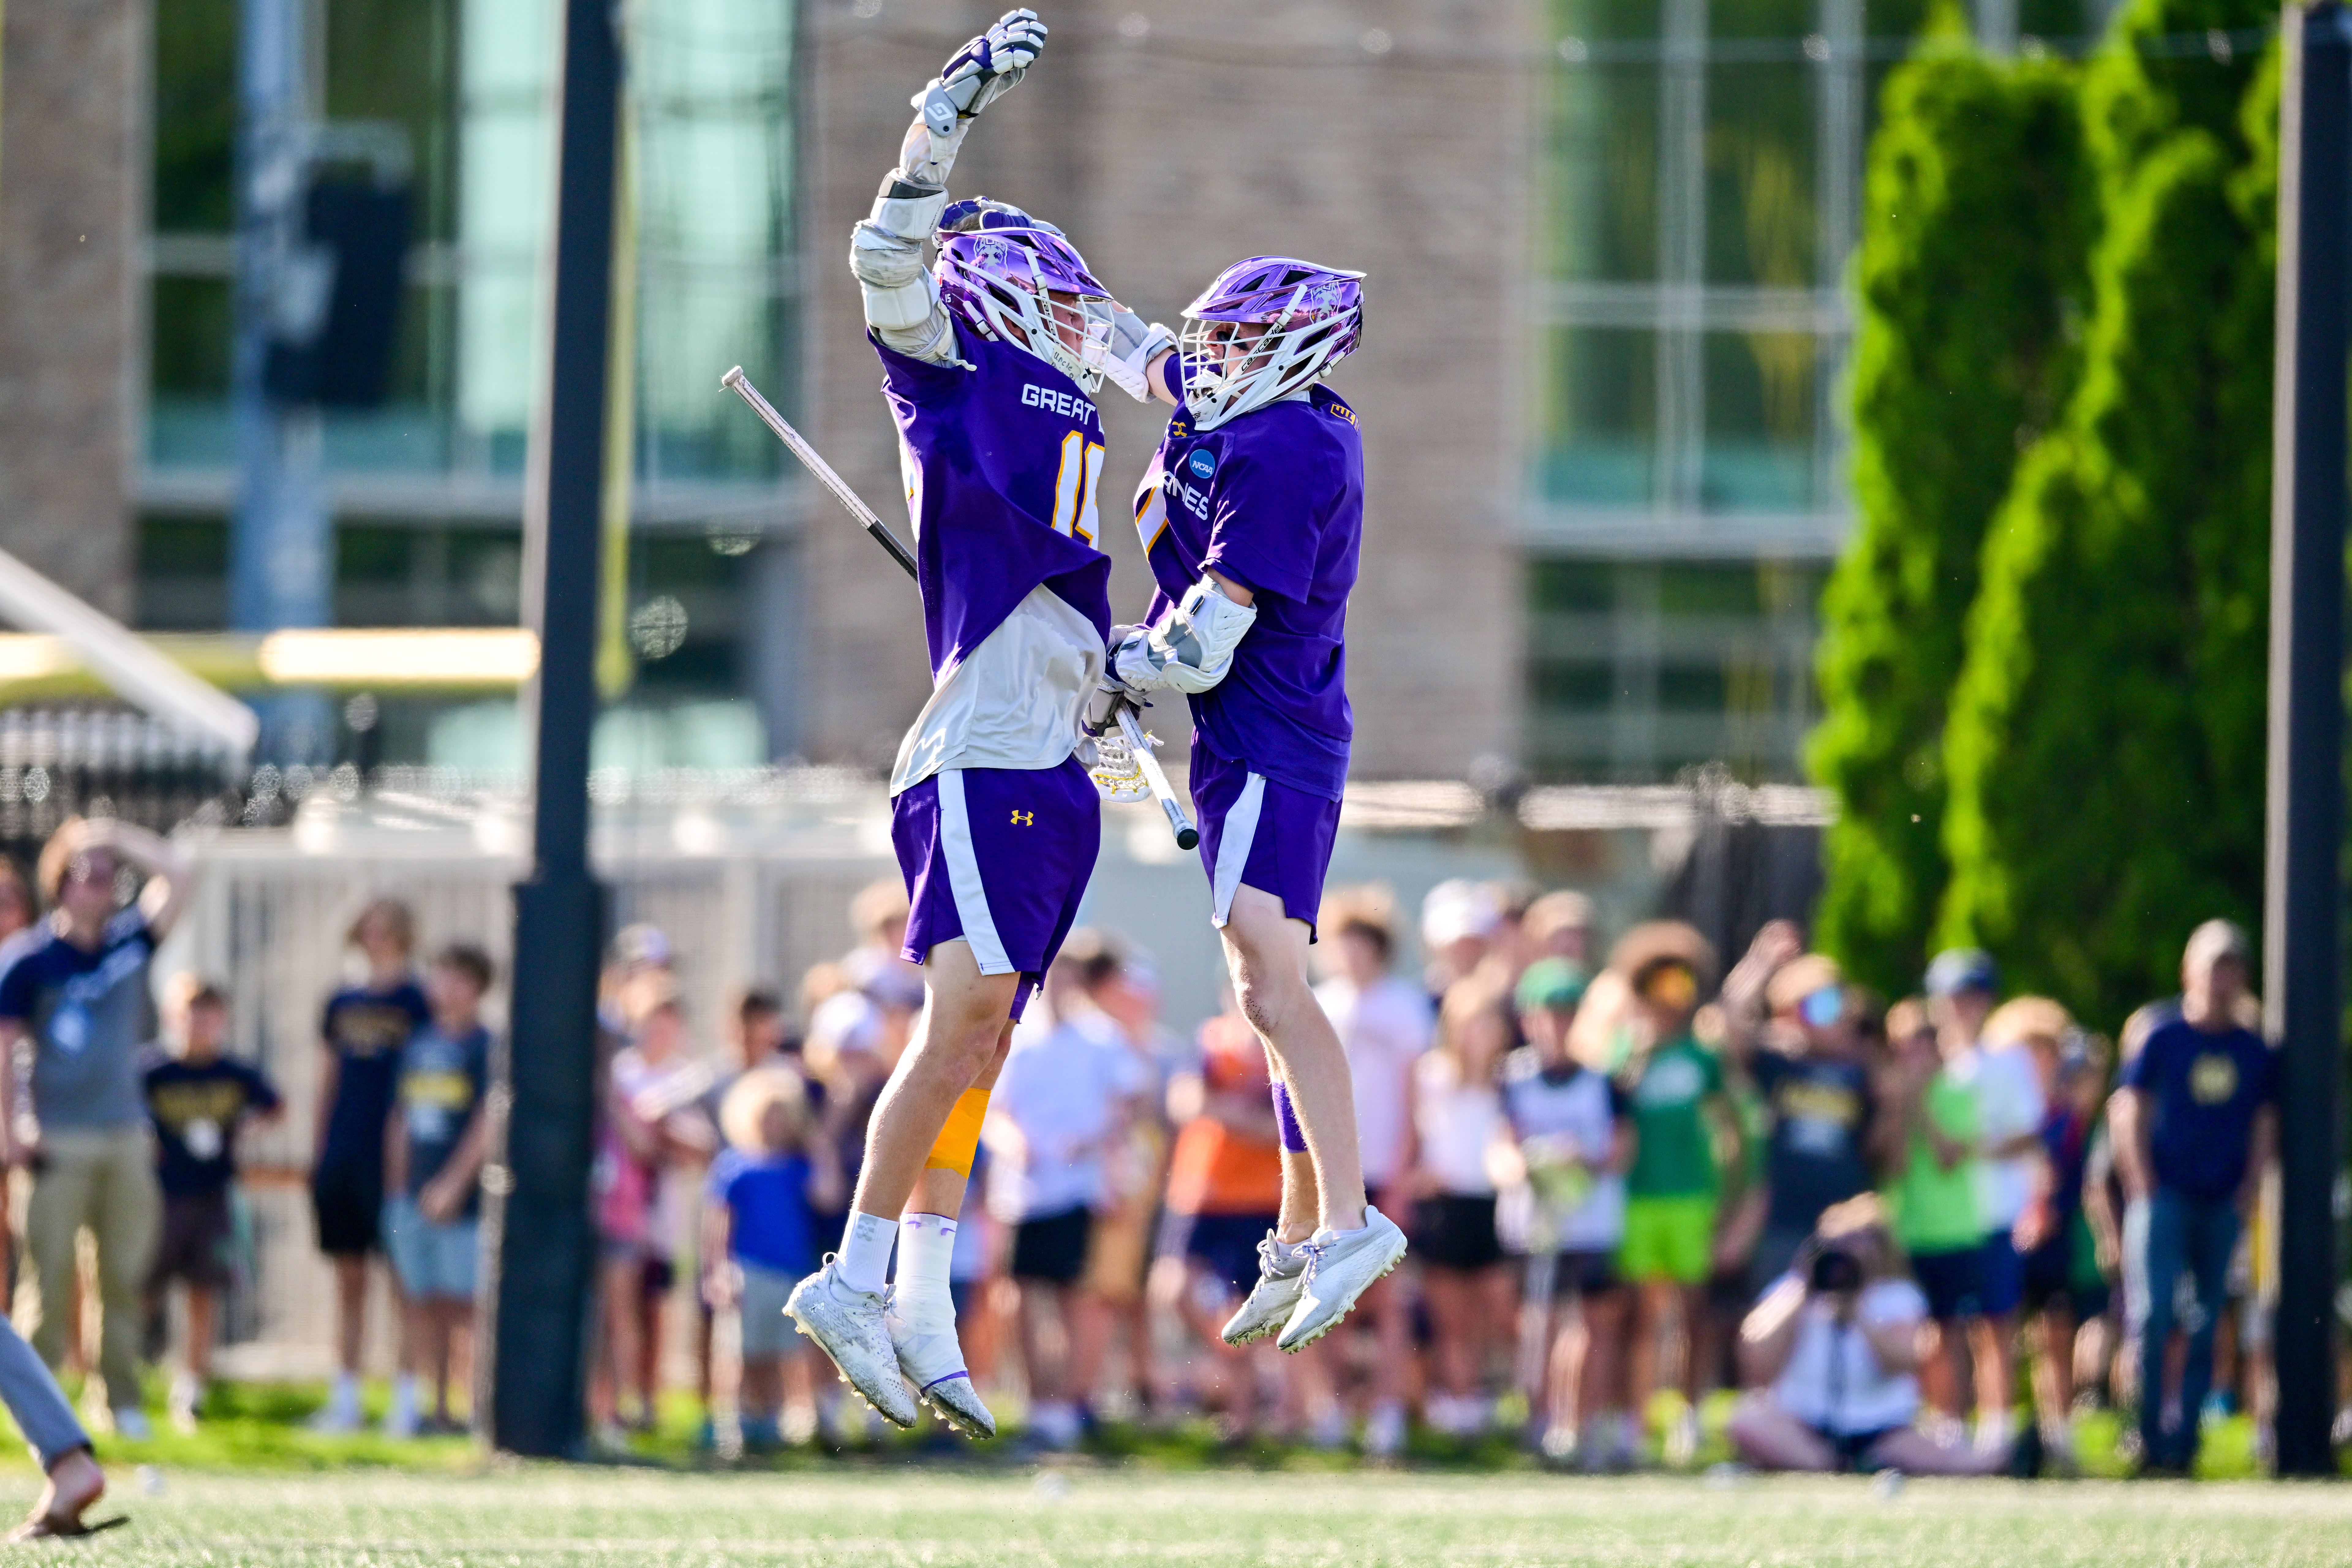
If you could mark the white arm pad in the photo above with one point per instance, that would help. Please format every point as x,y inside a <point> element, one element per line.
<point>886,253</point>
<point>902,301</point>
<point>1133,346</point>
<point>1191,649</point>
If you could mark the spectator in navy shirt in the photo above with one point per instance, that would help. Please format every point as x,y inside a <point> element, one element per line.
<point>363,1030</point>
<point>2195,1121</point>
<point>76,995</point>
<point>198,1099</point>
<point>434,1144</point>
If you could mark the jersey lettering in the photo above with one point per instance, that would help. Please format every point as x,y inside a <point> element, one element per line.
<point>1069,405</point>
<point>1075,511</point>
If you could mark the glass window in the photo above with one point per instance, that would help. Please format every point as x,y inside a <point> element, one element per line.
<point>1601,163</point>
<point>1761,107</point>
<point>1637,670</point>
<point>183,573</point>
<point>506,147</point>
<point>1763,410</point>
<point>1600,416</point>
<point>195,115</point>
<point>709,84</point>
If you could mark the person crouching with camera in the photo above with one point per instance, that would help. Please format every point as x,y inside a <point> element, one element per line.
<point>1831,1354</point>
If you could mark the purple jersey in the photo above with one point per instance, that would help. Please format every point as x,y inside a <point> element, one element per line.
<point>1000,463</point>
<point>1275,501</point>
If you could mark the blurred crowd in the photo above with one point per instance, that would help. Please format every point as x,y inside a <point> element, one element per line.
<point>1923,1235</point>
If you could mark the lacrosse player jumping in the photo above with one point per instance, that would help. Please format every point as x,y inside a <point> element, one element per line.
<point>990,359</point>
<point>1251,514</point>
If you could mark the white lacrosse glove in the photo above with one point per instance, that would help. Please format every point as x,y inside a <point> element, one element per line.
<point>1192,647</point>
<point>1134,345</point>
<point>979,73</point>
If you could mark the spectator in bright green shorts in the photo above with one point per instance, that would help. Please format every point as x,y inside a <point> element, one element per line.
<point>1681,1106</point>
<point>1934,1196</point>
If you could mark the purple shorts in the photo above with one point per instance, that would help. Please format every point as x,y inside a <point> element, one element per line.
<point>998,856</point>
<point>1265,835</point>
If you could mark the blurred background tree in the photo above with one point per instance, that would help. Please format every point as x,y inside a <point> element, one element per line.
<point>2043,653</point>
<point>1972,279</point>
<point>2105,744</point>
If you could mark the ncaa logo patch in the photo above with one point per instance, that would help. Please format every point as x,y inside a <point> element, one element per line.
<point>1203,462</point>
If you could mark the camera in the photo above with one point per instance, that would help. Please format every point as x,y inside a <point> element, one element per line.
<point>1834,1272</point>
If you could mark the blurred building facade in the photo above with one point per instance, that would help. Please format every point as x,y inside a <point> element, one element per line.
<point>1600,382</point>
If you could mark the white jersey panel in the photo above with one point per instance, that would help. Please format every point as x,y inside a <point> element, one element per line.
<point>1015,703</point>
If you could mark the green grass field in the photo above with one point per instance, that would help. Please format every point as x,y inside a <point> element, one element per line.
<point>897,1514</point>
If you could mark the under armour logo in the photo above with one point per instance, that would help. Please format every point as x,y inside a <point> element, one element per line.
<point>1025,819</point>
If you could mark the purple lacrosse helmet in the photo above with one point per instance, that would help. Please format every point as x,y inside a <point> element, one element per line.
<point>1310,315</point>
<point>999,269</point>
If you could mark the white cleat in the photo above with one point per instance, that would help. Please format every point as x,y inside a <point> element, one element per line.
<point>847,1325</point>
<point>1340,1267</point>
<point>1281,1274</point>
<point>930,1357</point>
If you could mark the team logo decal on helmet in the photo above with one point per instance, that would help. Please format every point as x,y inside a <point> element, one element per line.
<point>1016,280</point>
<point>1267,327</point>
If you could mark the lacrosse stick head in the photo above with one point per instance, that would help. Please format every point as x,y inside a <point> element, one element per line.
<point>1118,774</point>
<point>1264,329</point>
<point>1017,280</point>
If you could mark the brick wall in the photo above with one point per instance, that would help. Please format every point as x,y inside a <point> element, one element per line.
<point>73,77</point>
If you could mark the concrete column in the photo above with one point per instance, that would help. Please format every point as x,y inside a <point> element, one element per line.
<point>73,215</point>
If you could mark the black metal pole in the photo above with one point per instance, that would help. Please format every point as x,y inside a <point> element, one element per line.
<point>2303,913</point>
<point>544,1248</point>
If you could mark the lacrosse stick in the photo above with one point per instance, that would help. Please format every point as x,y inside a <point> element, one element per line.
<point>1139,743</point>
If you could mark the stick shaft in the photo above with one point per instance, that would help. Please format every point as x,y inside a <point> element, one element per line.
<point>1141,743</point>
<point>742,385</point>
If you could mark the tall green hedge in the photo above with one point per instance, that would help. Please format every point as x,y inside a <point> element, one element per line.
<point>2106,745</point>
<point>1973,267</point>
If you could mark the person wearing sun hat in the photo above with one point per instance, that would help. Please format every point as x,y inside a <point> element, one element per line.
<point>1680,1109</point>
<point>1823,1132</point>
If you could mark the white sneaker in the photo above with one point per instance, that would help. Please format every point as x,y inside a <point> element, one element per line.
<point>931,1358</point>
<point>1340,1267</point>
<point>1281,1275</point>
<point>846,1323</point>
<point>339,1416</point>
<point>1683,1439</point>
<point>402,1421</point>
<point>187,1399</point>
<point>131,1426</point>
<point>1384,1431</point>
<point>1055,1424</point>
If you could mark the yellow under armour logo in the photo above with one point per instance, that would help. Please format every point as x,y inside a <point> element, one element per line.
<point>1025,819</point>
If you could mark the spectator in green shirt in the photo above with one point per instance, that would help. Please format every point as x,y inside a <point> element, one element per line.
<point>1681,1106</point>
<point>1934,1193</point>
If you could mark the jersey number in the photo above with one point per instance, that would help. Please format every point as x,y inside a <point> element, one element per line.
<point>1074,488</point>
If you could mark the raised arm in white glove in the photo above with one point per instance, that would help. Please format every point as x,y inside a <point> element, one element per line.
<point>886,252</point>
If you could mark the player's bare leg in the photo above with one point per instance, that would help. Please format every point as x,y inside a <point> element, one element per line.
<point>921,1318</point>
<point>1353,1244</point>
<point>1266,951</point>
<point>841,1307</point>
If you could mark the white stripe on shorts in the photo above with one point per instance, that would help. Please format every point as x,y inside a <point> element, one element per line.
<point>963,877</point>
<point>1233,849</point>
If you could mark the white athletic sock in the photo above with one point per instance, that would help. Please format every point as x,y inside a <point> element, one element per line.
<point>926,1248</point>
<point>345,1400</point>
<point>865,1262</point>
